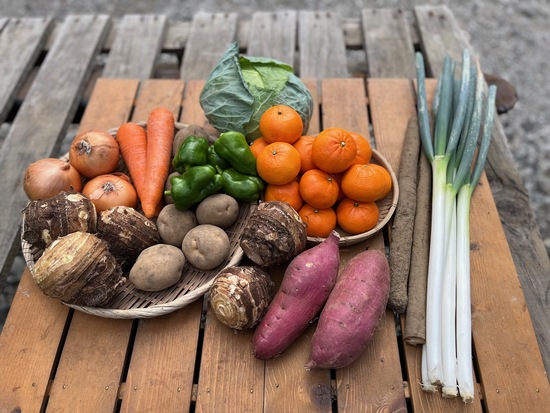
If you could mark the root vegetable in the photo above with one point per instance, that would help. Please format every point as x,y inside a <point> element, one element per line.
<point>49,176</point>
<point>274,234</point>
<point>94,152</point>
<point>46,220</point>
<point>206,246</point>
<point>221,210</point>
<point>240,296</point>
<point>306,285</point>
<point>157,267</point>
<point>173,224</point>
<point>352,313</point>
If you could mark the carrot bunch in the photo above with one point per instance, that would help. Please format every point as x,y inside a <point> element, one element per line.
<point>147,154</point>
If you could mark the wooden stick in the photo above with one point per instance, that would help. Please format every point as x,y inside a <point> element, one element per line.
<point>403,222</point>
<point>415,323</point>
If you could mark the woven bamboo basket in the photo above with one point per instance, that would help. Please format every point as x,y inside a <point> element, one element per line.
<point>130,303</point>
<point>386,208</point>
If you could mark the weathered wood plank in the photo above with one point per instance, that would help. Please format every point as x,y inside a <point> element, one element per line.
<point>21,41</point>
<point>374,381</point>
<point>273,35</point>
<point>137,45</point>
<point>210,35</point>
<point>30,341</point>
<point>230,378</point>
<point>40,124</point>
<point>322,45</point>
<point>104,360</point>
<point>511,197</point>
<point>388,44</point>
<point>32,350</point>
<point>285,373</point>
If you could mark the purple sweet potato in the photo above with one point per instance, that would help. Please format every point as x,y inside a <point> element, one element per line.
<point>306,285</point>
<point>352,312</point>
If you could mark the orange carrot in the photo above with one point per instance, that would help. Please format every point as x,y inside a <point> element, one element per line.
<point>160,137</point>
<point>133,147</point>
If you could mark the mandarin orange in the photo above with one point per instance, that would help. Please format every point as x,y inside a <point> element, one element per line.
<point>333,150</point>
<point>319,189</point>
<point>279,163</point>
<point>289,193</point>
<point>356,217</point>
<point>366,182</point>
<point>320,222</point>
<point>303,145</point>
<point>281,123</point>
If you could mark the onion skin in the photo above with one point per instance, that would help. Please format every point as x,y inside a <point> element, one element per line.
<point>94,153</point>
<point>110,190</point>
<point>48,177</point>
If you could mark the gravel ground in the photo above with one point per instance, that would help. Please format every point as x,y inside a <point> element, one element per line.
<point>508,35</point>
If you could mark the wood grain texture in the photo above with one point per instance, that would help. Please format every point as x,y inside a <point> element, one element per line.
<point>93,344</point>
<point>512,200</point>
<point>160,376</point>
<point>43,118</point>
<point>322,45</point>
<point>31,339</point>
<point>21,41</point>
<point>137,45</point>
<point>373,382</point>
<point>273,35</point>
<point>209,37</point>
<point>388,44</point>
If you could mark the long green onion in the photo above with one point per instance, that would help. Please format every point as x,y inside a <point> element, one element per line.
<point>458,112</point>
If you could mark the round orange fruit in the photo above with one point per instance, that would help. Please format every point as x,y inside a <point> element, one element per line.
<point>319,188</point>
<point>289,193</point>
<point>356,217</point>
<point>320,222</point>
<point>366,182</point>
<point>281,123</point>
<point>333,150</point>
<point>279,163</point>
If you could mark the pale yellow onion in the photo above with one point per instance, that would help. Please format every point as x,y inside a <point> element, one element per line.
<point>48,177</point>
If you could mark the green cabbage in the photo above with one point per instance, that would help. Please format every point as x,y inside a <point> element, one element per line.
<point>239,89</point>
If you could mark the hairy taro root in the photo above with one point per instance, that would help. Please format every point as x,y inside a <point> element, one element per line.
<point>127,233</point>
<point>273,234</point>
<point>240,296</point>
<point>78,269</point>
<point>48,219</point>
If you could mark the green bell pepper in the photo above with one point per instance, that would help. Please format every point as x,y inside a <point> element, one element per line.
<point>240,186</point>
<point>216,160</point>
<point>194,185</point>
<point>233,147</point>
<point>192,152</point>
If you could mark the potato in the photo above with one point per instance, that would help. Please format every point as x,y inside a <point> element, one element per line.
<point>157,267</point>
<point>173,224</point>
<point>306,285</point>
<point>220,210</point>
<point>206,246</point>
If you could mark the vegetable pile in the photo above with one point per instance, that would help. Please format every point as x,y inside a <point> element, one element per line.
<point>463,113</point>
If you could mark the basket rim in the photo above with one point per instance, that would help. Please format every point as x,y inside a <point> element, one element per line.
<point>348,240</point>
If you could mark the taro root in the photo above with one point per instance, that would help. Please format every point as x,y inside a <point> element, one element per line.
<point>273,234</point>
<point>46,220</point>
<point>239,296</point>
<point>78,269</point>
<point>127,233</point>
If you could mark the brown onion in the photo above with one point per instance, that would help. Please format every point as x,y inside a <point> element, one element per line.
<point>49,176</point>
<point>94,153</point>
<point>110,190</point>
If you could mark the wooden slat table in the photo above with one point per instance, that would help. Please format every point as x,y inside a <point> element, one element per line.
<point>57,359</point>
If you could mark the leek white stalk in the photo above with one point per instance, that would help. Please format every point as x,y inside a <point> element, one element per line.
<point>451,152</point>
<point>465,374</point>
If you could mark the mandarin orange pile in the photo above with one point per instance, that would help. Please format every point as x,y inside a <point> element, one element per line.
<point>329,178</point>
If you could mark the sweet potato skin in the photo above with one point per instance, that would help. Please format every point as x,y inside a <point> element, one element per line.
<point>352,312</point>
<point>306,285</point>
